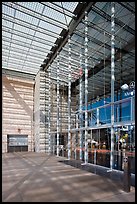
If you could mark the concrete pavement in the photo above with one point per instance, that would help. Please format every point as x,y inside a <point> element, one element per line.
<point>37,177</point>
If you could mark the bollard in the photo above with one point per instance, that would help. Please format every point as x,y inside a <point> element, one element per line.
<point>127,174</point>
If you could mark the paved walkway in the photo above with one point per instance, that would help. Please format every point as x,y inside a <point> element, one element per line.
<point>37,177</point>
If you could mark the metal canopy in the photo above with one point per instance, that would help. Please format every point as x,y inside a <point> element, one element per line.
<point>33,33</point>
<point>29,31</point>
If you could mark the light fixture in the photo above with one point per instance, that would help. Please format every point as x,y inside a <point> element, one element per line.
<point>132,93</point>
<point>124,87</point>
<point>98,98</point>
<point>132,85</point>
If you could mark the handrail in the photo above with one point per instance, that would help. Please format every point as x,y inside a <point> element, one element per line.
<point>106,105</point>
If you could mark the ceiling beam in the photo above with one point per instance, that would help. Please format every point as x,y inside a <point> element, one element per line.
<point>13,73</point>
<point>117,21</point>
<point>125,50</point>
<point>79,12</point>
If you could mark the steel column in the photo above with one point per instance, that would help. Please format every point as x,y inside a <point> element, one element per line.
<point>97,116</point>
<point>58,105</point>
<point>69,98</point>
<point>80,102</point>
<point>86,86</point>
<point>112,81</point>
<point>76,136</point>
<point>49,113</point>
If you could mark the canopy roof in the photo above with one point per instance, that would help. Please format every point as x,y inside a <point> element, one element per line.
<point>35,33</point>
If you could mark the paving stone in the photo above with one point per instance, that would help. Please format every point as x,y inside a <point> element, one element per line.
<point>52,179</point>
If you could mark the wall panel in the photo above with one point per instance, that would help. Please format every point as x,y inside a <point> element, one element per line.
<point>17,109</point>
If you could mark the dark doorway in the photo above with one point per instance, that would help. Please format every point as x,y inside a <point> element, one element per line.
<point>17,143</point>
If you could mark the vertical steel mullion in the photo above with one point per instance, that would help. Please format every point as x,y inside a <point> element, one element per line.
<point>91,134</point>
<point>131,112</point>
<point>86,85</point>
<point>52,119</point>
<point>58,105</point>
<point>80,99</point>
<point>49,114</point>
<point>131,109</point>
<point>112,81</point>
<point>97,116</point>
<point>76,135</point>
<point>69,98</point>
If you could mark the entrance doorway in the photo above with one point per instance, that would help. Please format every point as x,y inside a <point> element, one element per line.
<point>17,143</point>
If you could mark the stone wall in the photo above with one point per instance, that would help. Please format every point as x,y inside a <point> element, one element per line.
<point>17,109</point>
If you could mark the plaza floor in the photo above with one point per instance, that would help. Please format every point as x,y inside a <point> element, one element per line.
<point>37,177</point>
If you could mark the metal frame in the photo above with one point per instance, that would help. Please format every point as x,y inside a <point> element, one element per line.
<point>49,115</point>
<point>86,86</point>
<point>67,44</point>
<point>69,100</point>
<point>112,81</point>
<point>58,113</point>
<point>77,17</point>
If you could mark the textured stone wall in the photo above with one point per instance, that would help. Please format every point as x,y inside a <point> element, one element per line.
<point>41,107</point>
<point>41,112</point>
<point>17,109</point>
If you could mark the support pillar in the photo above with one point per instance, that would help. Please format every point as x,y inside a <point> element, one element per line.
<point>112,81</point>
<point>49,113</point>
<point>69,100</point>
<point>86,87</point>
<point>80,102</point>
<point>58,105</point>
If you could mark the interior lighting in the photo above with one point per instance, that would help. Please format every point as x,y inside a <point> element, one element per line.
<point>124,87</point>
<point>132,93</point>
<point>132,85</point>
